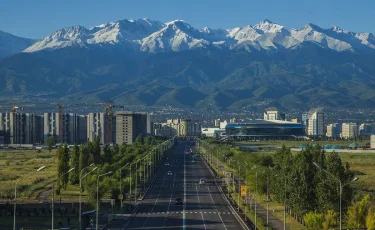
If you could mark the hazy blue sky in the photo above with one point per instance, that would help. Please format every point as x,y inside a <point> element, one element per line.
<point>38,18</point>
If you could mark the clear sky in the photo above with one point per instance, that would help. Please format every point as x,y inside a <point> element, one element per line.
<point>38,18</point>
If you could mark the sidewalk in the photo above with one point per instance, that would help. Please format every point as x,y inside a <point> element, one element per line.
<point>273,222</point>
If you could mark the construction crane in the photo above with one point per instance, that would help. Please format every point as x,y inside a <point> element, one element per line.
<point>61,126</point>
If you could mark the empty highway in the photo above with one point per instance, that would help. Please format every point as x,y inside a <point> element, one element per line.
<point>204,207</point>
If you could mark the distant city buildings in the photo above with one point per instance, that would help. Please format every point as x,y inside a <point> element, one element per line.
<point>273,114</point>
<point>349,130</point>
<point>71,128</point>
<point>315,123</point>
<point>185,127</point>
<point>129,125</point>
<point>333,130</point>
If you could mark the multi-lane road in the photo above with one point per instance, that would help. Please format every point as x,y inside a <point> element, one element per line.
<point>204,206</point>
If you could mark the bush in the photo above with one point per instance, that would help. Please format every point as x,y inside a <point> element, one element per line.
<point>313,220</point>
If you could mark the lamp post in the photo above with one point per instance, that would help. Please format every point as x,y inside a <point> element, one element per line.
<point>246,190</point>
<point>121,195</point>
<point>97,198</point>
<point>135,189</point>
<point>80,189</point>
<point>53,193</point>
<point>239,184</point>
<point>15,193</point>
<point>255,196</point>
<point>340,185</point>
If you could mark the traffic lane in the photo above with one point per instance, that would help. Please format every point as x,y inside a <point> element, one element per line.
<point>145,209</point>
<point>225,214</point>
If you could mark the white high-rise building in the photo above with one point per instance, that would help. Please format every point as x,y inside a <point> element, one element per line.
<point>315,124</point>
<point>72,131</point>
<point>96,126</point>
<point>349,130</point>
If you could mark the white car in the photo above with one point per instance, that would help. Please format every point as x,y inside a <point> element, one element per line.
<point>167,164</point>
<point>169,173</point>
<point>202,181</point>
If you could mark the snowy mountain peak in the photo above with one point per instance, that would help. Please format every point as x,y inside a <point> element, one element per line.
<point>269,27</point>
<point>147,35</point>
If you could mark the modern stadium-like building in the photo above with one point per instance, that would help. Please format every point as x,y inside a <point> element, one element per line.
<point>265,129</point>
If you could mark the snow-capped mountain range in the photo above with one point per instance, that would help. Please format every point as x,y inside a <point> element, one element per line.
<point>154,37</point>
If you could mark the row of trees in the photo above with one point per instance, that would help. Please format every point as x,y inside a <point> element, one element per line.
<point>108,158</point>
<point>312,196</point>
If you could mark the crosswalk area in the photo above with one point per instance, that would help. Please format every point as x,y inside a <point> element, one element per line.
<point>186,212</point>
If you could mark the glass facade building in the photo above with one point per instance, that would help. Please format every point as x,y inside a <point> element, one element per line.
<point>264,128</point>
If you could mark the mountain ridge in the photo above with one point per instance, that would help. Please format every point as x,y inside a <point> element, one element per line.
<point>145,35</point>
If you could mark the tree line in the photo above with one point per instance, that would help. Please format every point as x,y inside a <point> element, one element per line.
<point>311,195</point>
<point>108,158</point>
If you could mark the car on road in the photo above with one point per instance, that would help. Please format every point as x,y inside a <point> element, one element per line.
<point>169,173</point>
<point>193,161</point>
<point>178,200</point>
<point>202,181</point>
<point>166,163</point>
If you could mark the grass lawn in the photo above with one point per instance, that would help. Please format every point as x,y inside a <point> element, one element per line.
<point>16,164</point>
<point>364,166</point>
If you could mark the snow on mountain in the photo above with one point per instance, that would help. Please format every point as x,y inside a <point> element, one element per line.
<point>120,32</point>
<point>175,36</point>
<point>313,33</point>
<point>10,44</point>
<point>150,36</point>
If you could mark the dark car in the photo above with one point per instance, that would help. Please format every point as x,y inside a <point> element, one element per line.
<point>179,201</point>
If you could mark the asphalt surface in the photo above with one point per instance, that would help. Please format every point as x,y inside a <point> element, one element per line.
<point>203,206</point>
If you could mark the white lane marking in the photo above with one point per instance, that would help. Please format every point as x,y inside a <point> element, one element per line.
<point>200,207</point>
<point>216,208</point>
<point>156,201</point>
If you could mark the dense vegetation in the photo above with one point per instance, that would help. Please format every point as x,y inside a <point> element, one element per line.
<point>312,196</point>
<point>108,158</point>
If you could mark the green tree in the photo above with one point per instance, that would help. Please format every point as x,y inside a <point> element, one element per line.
<point>139,140</point>
<point>65,166</point>
<point>147,141</point>
<point>96,149</point>
<point>74,163</point>
<point>51,141</point>
<point>60,168</point>
<point>313,220</point>
<point>330,219</point>
<point>357,213</point>
<point>370,219</point>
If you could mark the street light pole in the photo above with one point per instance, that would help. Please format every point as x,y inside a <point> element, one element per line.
<point>15,194</point>
<point>239,184</point>
<point>255,195</point>
<point>246,189</point>
<point>53,193</point>
<point>97,198</point>
<point>80,191</point>
<point>121,195</point>
<point>340,185</point>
